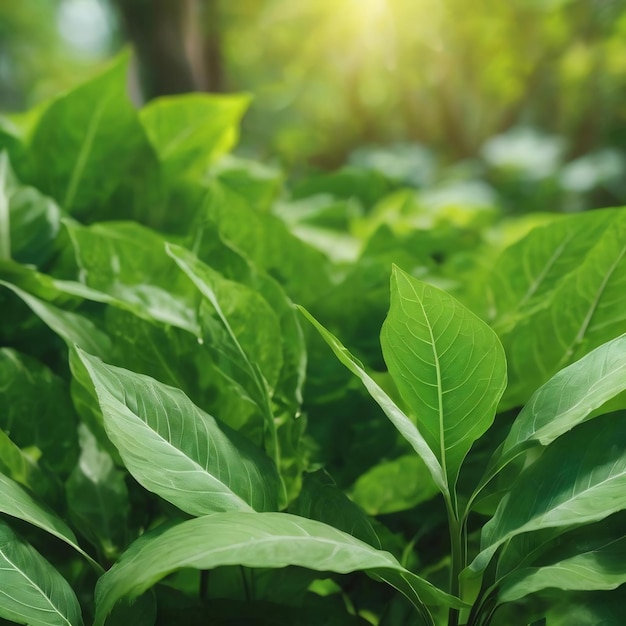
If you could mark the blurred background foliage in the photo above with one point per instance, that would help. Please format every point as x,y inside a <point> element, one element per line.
<point>517,103</point>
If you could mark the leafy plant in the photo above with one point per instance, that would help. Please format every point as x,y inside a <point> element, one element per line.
<point>166,415</point>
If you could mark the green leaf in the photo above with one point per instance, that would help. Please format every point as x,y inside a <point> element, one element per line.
<point>404,425</point>
<point>588,609</point>
<point>190,131</point>
<point>88,142</point>
<point>448,365</point>
<point>260,184</point>
<point>322,500</point>
<point>253,540</point>
<point>141,611</point>
<point>580,478</point>
<point>23,469</point>
<point>393,486</point>
<point>247,345</point>
<point>31,590</point>
<point>38,409</point>
<point>178,451</point>
<point>570,397</point>
<point>29,221</point>
<point>545,255</point>
<point>251,325</point>
<point>589,387</point>
<point>266,242</point>
<point>14,501</point>
<point>600,568</point>
<point>71,327</point>
<point>97,498</point>
<point>128,262</point>
<point>287,393</point>
<point>565,302</point>
<point>552,545</point>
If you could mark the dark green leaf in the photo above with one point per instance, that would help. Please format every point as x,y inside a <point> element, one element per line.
<point>97,498</point>
<point>29,222</point>
<point>38,410</point>
<point>322,500</point>
<point>23,469</point>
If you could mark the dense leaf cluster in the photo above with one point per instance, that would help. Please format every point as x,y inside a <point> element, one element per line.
<point>179,445</point>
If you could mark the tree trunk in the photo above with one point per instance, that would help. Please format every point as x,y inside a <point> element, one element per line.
<point>177,45</point>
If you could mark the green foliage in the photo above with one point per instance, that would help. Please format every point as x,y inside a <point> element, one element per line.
<point>172,419</point>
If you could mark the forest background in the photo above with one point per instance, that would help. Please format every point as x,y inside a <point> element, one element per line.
<point>523,100</point>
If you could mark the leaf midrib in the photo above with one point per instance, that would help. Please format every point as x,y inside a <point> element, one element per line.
<point>560,505</point>
<point>180,452</point>
<point>591,311</point>
<point>83,154</point>
<point>442,446</point>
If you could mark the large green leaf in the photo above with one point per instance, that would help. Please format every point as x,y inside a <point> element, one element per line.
<point>404,425</point>
<point>76,148</point>
<point>54,290</point>
<point>189,132</point>
<point>567,299</point>
<point>14,501</point>
<point>580,478</point>
<point>178,451</point>
<point>253,540</point>
<point>31,590</point>
<point>598,568</point>
<point>448,365</point>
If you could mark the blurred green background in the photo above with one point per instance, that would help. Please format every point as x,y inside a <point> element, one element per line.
<point>518,103</point>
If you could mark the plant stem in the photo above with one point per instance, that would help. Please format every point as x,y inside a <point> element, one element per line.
<point>457,565</point>
<point>5,224</point>
<point>204,584</point>
<point>246,586</point>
